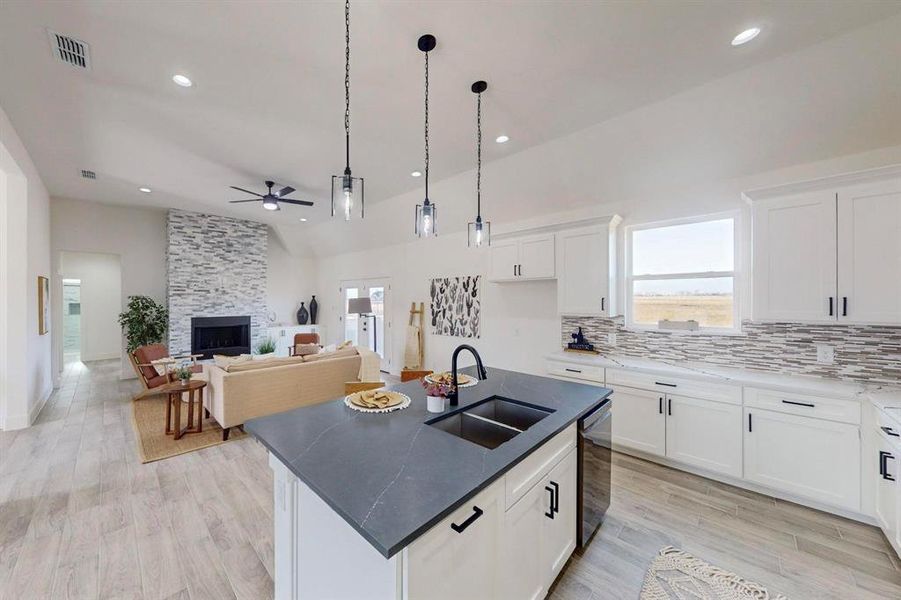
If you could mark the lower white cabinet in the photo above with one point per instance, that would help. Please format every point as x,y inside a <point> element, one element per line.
<point>888,492</point>
<point>458,558</point>
<point>638,420</point>
<point>704,433</point>
<point>540,533</point>
<point>810,457</point>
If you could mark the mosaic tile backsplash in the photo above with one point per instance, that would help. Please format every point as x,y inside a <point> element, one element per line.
<point>863,353</point>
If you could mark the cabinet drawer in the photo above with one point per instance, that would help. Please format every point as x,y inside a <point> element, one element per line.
<point>888,426</point>
<point>523,476</point>
<point>705,390</point>
<point>844,411</point>
<point>575,371</point>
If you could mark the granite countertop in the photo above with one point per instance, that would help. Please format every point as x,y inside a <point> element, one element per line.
<point>390,476</point>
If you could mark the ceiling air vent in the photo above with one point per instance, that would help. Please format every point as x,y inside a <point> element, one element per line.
<point>69,50</point>
<point>88,174</point>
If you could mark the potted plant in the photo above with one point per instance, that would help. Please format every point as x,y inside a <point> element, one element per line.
<point>144,322</point>
<point>182,373</point>
<point>266,348</point>
<point>437,393</point>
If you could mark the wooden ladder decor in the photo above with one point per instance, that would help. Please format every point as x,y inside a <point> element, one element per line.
<point>410,374</point>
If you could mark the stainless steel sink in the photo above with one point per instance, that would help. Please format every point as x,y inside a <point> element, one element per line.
<point>491,422</point>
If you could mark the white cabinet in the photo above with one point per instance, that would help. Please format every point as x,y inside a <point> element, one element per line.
<point>638,420</point>
<point>810,457</point>
<point>585,259</point>
<point>830,255</point>
<point>522,259</point>
<point>558,538</point>
<point>459,557</point>
<point>869,253</point>
<point>887,488</point>
<point>794,253</point>
<point>704,433</point>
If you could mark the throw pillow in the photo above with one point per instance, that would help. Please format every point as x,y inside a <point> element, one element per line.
<point>224,362</point>
<point>305,349</point>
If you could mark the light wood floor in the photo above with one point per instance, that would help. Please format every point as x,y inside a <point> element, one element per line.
<point>81,517</point>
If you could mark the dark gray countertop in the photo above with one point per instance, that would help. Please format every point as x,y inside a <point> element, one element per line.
<point>391,476</point>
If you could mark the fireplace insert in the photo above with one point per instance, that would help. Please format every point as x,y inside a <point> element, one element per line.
<point>229,336</point>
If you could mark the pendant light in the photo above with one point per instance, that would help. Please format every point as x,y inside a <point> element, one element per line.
<point>479,233</point>
<point>343,195</point>
<point>426,224</point>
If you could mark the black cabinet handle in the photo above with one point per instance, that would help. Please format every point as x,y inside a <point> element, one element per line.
<point>807,404</point>
<point>882,462</point>
<point>602,303</point>
<point>672,385</point>
<point>556,505</point>
<point>573,370</point>
<point>831,310</point>
<point>476,513</point>
<point>550,511</point>
<point>750,424</point>
<point>890,431</point>
<point>669,406</point>
<point>883,465</point>
<point>844,306</point>
<point>660,404</point>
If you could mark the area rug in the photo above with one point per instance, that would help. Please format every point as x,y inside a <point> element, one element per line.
<point>149,420</point>
<point>677,575</point>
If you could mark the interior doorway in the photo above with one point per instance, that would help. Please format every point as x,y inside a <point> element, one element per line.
<point>71,321</point>
<point>371,329</point>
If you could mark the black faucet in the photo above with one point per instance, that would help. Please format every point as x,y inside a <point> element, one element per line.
<point>483,374</point>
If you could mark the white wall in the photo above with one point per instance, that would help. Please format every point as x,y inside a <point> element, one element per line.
<point>101,301</point>
<point>25,370</point>
<point>519,321</point>
<point>290,281</point>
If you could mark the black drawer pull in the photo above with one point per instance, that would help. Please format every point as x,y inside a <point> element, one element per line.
<point>890,431</point>
<point>831,310</point>
<point>669,406</point>
<point>750,426</point>
<point>660,404</point>
<point>573,370</point>
<point>665,384</point>
<point>807,404</point>
<point>883,465</point>
<point>602,303</point>
<point>556,502</point>
<point>550,511</point>
<point>844,306</point>
<point>476,513</point>
<point>882,462</point>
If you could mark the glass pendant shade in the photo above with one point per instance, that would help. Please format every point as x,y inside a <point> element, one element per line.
<point>479,233</point>
<point>347,195</point>
<point>426,219</point>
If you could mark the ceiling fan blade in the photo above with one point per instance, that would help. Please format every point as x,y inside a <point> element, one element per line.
<point>246,191</point>
<point>300,202</point>
<point>284,191</point>
<point>248,200</point>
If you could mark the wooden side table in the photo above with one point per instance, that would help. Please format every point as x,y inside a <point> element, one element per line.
<point>173,399</point>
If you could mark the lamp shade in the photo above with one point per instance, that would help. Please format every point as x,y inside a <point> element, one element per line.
<point>359,306</point>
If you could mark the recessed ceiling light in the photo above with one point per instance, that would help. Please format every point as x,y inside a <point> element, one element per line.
<point>502,139</point>
<point>146,190</point>
<point>745,36</point>
<point>416,174</point>
<point>303,220</point>
<point>182,80</point>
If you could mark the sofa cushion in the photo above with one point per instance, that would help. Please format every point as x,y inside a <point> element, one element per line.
<point>265,363</point>
<point>306,349</point>
<point>223,362</point>
<point>344,352</point>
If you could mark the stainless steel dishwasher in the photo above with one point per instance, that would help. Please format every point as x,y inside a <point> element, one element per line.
<point>595,432</point>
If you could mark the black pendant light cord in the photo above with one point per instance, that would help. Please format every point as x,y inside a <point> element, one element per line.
<point>347,86</point>
<point>426,125</point>
<point>479,159</point>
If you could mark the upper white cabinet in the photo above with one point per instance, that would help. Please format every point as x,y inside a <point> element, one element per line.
<point>829,255</point>
<point>585,270</point>
<point>869,253</point>
<point>520,259</point>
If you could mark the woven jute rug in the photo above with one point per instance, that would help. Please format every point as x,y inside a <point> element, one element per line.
<point>677,575</point>
<point>149,420</point>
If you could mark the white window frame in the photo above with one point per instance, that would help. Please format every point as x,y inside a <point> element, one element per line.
<point>629,278</point>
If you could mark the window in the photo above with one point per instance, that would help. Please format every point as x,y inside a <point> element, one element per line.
<point>683,271</point>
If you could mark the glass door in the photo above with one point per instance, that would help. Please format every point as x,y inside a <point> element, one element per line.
<point>370,329</point>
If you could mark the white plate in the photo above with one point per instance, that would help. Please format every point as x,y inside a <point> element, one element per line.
<point>404,404</point>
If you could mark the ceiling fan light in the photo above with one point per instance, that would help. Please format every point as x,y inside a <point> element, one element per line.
<point>270,204</point>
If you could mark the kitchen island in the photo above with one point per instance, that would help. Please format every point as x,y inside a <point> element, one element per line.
<point>393,506</point>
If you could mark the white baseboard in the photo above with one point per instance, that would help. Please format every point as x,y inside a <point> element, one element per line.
<point>747,485</point>
<point>21,421</point>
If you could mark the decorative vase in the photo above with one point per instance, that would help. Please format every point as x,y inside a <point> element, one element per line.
<point>185,381</point>
<point>314,310</point>
<point>302,315</point>
<point>435,404</point>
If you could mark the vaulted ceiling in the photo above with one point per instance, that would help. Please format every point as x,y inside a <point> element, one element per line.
<point>268,95</point>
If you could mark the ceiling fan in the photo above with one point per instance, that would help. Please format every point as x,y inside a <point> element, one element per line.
<point>270,201</point>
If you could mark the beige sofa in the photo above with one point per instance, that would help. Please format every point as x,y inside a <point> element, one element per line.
<point>255,388</point>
